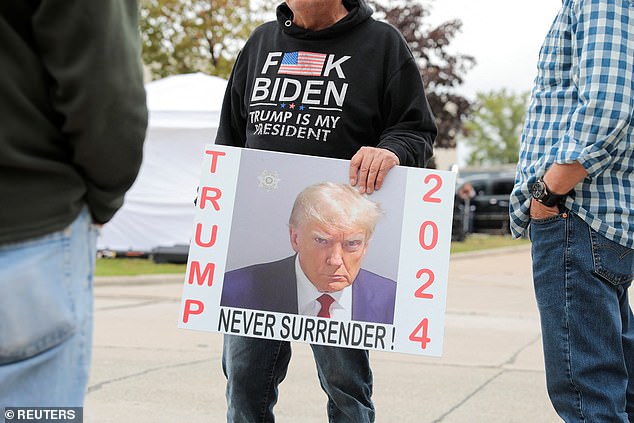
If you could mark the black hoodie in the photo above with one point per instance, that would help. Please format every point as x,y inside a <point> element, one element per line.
<point>328,92</point>
<point>72,112</point>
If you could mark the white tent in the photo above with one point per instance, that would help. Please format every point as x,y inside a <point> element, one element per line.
<point>158,210</point>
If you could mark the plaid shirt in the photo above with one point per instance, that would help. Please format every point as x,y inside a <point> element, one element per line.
<point>582,109</point>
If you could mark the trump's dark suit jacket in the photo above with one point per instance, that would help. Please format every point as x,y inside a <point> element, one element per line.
<point>273,287</point>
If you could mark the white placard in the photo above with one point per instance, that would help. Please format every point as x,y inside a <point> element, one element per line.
<point>245,198</point>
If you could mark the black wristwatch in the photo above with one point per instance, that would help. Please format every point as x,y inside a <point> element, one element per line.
<point>544,195</point>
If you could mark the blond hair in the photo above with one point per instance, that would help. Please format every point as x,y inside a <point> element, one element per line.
<point>335,205</point>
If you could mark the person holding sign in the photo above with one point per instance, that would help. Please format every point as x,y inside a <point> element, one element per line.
<point>326,80</point>
<point>574,191</point>
<point>330,229</point>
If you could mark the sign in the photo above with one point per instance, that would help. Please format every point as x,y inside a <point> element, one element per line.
<point>241,234</point>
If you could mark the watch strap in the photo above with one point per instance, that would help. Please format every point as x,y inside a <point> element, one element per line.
<point>549,198</point>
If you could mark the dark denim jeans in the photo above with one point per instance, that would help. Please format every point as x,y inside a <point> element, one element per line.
<point>581,285</point>
<point>255,367</point>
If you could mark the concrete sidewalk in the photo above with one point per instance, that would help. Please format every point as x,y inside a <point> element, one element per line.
<point>145,370</point>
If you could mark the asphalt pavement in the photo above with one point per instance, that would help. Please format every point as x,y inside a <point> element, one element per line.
<point>145,370</point>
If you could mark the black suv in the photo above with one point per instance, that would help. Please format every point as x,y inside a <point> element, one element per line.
<point>482,203</point>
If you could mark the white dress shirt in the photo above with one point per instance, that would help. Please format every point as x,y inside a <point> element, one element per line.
<point>307,295</point>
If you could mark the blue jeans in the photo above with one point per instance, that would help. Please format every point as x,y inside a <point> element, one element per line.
<point>255,367</point>
<point>581,285</point>
<point>46,317</point>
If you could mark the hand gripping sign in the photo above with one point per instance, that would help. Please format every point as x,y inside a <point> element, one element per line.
<point>283,248</point>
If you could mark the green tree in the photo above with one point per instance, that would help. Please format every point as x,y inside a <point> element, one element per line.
<point>493,131</point>
<point>442,70</point>
<point>183,36</point>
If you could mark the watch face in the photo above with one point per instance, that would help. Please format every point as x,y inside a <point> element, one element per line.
<point>538,190</point>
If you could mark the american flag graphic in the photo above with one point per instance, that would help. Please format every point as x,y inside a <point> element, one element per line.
<point>302,63</point>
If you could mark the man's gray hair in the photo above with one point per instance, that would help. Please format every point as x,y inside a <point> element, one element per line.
<point>335,205</point>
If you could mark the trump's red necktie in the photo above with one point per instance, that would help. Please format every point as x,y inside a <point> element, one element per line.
<point>326,301</point>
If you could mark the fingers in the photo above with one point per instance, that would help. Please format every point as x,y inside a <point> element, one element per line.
<point>369,167</point>
<point>384,168</point>
<point>540,211</point>
<point>364,167</point>
<point>355,163</point>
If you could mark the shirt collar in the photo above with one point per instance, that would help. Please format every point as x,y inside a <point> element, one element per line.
<point>307,295</point>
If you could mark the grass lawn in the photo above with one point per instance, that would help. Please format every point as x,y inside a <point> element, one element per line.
<point>475,242</point>
<point>138,266</point>
<point>134,266</point>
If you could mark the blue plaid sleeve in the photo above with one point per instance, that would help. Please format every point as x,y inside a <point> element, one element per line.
<point>602,41</point>
<point>582,109</point>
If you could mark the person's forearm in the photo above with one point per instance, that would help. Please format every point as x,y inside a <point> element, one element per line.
<point>561,178</point>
